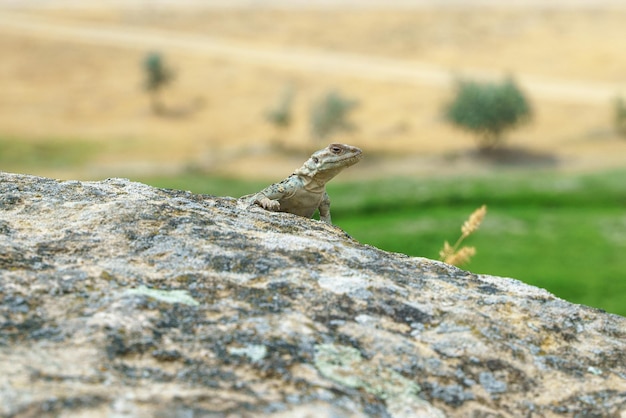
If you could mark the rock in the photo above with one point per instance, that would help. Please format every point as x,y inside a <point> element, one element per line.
<point>123,300</point>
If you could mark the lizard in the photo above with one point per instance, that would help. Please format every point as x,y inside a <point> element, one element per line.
<point>304,191</point>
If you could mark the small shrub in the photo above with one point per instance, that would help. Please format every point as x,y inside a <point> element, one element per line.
<point>330,114</point>
<point>619,116</point>
<point>455,254</point>
<point>280,116</point>
<point>488,110</point>
<point>157,76</point>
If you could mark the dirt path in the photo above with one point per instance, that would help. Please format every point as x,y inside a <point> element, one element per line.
<point>299,59</point>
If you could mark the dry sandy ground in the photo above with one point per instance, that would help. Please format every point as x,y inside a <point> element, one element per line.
<point>75,72</point>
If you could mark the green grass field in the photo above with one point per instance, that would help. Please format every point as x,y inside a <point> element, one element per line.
<point>565,233</point>
<point>47,153</point>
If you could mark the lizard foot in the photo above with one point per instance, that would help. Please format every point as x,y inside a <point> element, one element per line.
<point>268,204</point>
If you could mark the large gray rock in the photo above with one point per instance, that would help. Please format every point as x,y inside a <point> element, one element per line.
<point>122,300</point>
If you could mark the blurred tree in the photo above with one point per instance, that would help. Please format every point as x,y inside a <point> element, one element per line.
<point>619,116</point>
<point>157,76</point>
<point>329,114</point>
<point>488,109</point>
<point>280,116</point>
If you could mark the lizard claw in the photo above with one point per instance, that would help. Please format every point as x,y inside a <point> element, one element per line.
<point>269,204</point>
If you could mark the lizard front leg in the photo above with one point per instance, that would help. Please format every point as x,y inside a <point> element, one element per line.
<point>324,209</point>
<point>269,197</point>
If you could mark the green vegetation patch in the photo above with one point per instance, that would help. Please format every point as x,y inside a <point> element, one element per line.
<point>21,155</point>
<point>203,184</point>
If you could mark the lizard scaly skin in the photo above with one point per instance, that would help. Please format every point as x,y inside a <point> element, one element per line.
<point>304,192</point>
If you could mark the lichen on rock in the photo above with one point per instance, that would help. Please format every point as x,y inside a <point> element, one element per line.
<point>120,299</point>
<point>169,296</point>
<point>346,366</point>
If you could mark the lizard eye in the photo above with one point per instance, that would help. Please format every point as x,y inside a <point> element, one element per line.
<point>336,150</point>
<point>316,160</point>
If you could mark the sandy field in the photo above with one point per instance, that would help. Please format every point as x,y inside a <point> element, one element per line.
<point>74,72</point>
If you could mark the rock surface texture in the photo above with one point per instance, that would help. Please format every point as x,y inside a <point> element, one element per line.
<point>122,300</point>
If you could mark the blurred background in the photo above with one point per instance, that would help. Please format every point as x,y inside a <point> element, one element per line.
<point>455,103</point>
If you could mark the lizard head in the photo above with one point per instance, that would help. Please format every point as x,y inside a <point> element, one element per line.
<point>326,163</point>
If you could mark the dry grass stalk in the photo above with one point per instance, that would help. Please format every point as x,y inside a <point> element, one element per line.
<point>474,221</point>
<point>455,254</point>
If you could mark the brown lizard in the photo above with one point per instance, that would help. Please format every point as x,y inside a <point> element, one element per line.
<point>304,192</point>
